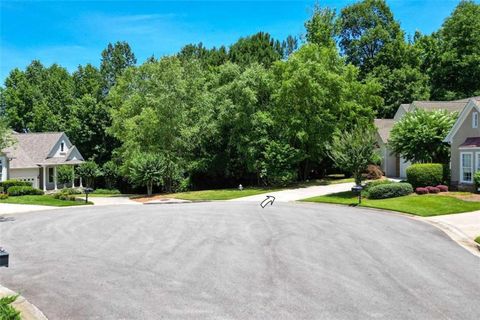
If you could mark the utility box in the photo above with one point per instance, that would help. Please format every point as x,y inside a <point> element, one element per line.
<point>3,258</point>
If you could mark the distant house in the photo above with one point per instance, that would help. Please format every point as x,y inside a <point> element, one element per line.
<point>463,138</point>
<point>35,158</point>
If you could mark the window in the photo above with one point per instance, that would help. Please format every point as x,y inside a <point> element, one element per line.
<point>50,175</point>
<point>475,120</point>
<point>466,167</point>
<point>62,146</point>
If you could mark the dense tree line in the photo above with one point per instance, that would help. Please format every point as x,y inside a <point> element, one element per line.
<point>260,111</point>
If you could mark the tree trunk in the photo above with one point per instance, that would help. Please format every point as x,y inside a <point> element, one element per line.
<point>149,188</point>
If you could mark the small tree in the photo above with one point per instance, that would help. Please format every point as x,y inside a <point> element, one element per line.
<point>110,173</point>
<point>65,174</point>
<point>146,169</point>
<point>352,151</point>
<point>88,171</point>
<point>419,136</point>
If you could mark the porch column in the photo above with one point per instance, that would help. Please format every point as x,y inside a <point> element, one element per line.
<point>81,186</point>
<point>55,177</point>
<point>73,176</point>
<point>44,178</point>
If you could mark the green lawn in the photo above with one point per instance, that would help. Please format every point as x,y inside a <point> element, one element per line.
<point>425,205</point>
<point>44,200</point>
<point>220,194</point>
<point>477,240</point>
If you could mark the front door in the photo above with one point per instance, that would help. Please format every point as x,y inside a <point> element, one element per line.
<point>397,166</point>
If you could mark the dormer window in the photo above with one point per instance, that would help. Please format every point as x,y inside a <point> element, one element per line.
<point>475,120</point>
<point>62,147</point>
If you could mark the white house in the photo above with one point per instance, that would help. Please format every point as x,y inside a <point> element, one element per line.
<point>35,157</point>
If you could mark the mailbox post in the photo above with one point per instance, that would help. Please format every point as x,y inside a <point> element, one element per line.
<point>87,191</point>
<point>358,191</point>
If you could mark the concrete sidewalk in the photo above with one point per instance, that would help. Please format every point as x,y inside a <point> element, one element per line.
<point>299,193</point>
<point>468,223</point>
<point>461,227</point>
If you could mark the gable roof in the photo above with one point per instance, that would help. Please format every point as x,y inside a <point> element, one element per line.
<point>384,126</point>
<point>472,103</point>
<point>33,149</point>
<point>450,106</point>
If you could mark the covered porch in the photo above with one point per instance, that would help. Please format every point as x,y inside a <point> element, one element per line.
<point>48,177</point>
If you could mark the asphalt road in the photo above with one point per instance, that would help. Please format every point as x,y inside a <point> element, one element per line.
<point>229,260</point>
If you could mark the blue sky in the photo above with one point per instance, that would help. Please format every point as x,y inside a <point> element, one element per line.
<point>75,32</point>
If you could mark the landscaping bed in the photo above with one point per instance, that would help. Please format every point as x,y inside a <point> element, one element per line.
<point>422,205</point>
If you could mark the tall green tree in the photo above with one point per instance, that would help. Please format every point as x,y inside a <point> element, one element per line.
<point>260,48</point>
<point>366,28</point>
<point>317,94</point>
<point>456,73</point>
<point>322,27</point>
<point>115,59</point>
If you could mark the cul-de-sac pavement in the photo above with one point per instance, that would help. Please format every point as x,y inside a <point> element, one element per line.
<point>235,260</point>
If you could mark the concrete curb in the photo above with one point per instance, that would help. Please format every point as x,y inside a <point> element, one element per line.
<point>27,310</point>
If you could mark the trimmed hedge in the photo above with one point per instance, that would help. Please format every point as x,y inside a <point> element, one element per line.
<point>106,191</point>
<point>442,188</point>
<point>14,183</point>
<point>421,190</point>
<point>23,191</point>
<point>425,174</point>
<point>390,190</point>
<point>433,189</point>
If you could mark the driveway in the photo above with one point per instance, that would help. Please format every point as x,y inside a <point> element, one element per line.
<point>299,193</point>
<point>234,260</point>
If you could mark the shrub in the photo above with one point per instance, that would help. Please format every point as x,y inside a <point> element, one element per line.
<point>14,183</point>
<point>433,189</point>
<point>63,196</point>
<point>425,174</point>
<point>476,180</point>
<point>3,196</point>
<point>1,190</point>
<point>442,188</point>
<point>421,190</point>
<point>106,191</point>
<point>7,312</point>
<point>390,190</point>
<point>70,191</point>
<point>373,172</point>
<point>23,190</point>
<point>376,183</point>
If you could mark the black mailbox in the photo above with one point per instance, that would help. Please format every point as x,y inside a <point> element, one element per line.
<point>3,258</point>
<point>87,191</point>
<point>358,191</point>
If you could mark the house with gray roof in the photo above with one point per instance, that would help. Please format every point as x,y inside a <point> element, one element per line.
<point>394,165</point>
<point>35,158</point>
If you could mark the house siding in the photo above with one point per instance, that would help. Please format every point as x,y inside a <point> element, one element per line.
<point>388,163</point>
<point>465,131</point>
